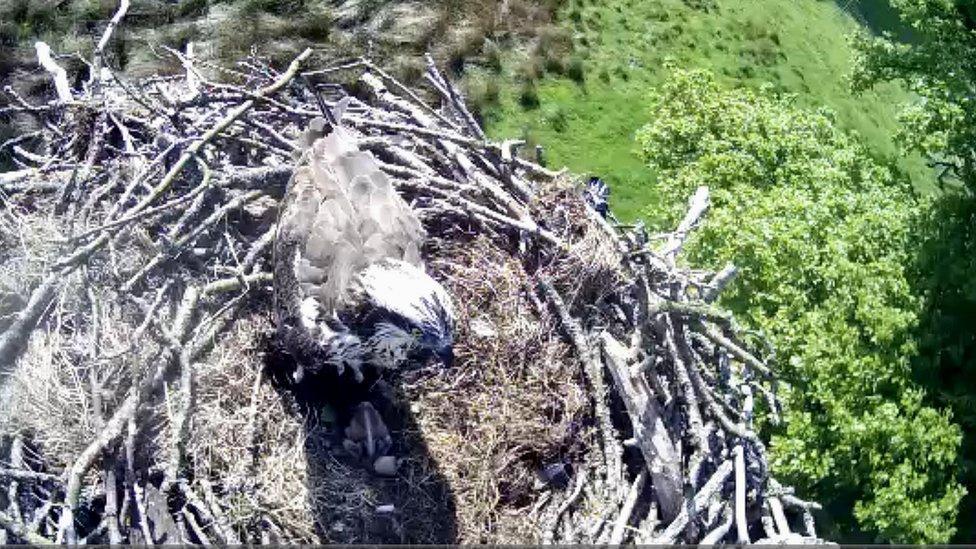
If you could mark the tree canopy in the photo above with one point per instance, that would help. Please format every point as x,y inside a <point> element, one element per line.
<point>937,64</point>
<point>824,239</point>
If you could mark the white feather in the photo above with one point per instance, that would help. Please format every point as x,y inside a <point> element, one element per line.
<point>405,290</point>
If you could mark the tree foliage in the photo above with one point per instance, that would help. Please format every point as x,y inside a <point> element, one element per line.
<point>938,65</point>
<point>823,237</point>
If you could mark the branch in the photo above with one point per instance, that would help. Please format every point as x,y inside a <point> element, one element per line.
<point>57,71</point>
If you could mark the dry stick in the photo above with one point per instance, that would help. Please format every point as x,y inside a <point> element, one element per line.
<point>341,67</point>
<point>203,186</point>
<point>719,282</point>
<point>100,47</point>
<point>140,178</point>
<point>195,526</point>
<point>510,203</point>
<point>444,185</point>
<point>594,374</point>
<point>400,156</point>
<point>387,98</point>
<point>220,126</point>
<point>14,338</point>
<point>620,526</point>
<point>695,310</point>
<point>742,527</point>
<point>688,391</point>
<point>39,515</point>
<point>661,456</point>
<point>16,461</point>
<point>81,177</point>
<point>221,522</point>
<point>409,93</point>
<point>391,101</point>
<point>451,94</point>
<point>712,487</point>
<point>736,429</point>
<point>122,416</point>
<point>266,128</point>
<point>572,499</point>
<point>252,425</point>
<point>57,72</point>
<point>181,423</point>
<point>712,333</point>
<point>779,517</point>
<point>126,412</point>
<point>24,474</point>
<point>211,220</point>
<point>16,528</point>
<point>477,210</point>
<point>139,497</point>
<point>721,530</point>
<point>112,501</point>
<point>697,205</point>
<point>356,121</point>
<point>193,499</point>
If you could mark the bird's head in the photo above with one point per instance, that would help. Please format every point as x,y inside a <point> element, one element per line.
<point>414,317</point>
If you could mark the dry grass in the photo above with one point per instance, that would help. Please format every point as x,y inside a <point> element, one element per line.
<point>515,402</point>
<point>590,272</point>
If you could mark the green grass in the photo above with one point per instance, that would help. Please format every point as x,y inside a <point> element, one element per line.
<point>625,46</point>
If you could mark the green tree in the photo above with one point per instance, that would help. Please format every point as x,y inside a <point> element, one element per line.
<point>823,236</point>
<point>937,64</point>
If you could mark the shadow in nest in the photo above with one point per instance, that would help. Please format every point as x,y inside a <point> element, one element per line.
<point>350,502</point>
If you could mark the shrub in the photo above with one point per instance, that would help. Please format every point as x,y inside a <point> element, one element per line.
<point>529,96</point>
<point>492,55</point>
<point>554,64</point>
<point>530,70</point>
<point>575,70</point>
<point>557,119</point>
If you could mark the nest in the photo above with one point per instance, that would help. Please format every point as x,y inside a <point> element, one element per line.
<point>598,395</point>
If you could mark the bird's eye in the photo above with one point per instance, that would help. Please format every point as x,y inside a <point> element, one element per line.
<point>415,333</point>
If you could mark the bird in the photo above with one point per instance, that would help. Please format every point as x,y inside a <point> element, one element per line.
<point>351,288</point>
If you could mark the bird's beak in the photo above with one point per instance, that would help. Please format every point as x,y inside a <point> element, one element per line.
<point>446,356</point>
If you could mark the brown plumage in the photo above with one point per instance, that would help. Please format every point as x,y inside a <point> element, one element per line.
<point>349,281</point>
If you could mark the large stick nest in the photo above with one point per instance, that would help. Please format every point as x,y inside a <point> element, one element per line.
<point>598,394</point>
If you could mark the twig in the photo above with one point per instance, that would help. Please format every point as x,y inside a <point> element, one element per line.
<point>697,205</point>
<point>741,526</point>
<point>620,526</point>
<point>712,487</point>
<point>718,283</point>
<point>721,530</point>
<point>57,71</point>
<point>24,474</point>
<point>594,375</point>
<point>17,529</point>
<point>103,41</point>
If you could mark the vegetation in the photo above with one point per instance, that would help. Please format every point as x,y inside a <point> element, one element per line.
<point>936,66</point>
<point>797,46</point>
<point>941,123</point>
<point>822,234</point>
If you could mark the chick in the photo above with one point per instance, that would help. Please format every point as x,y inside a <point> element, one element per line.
<point>367,437</point>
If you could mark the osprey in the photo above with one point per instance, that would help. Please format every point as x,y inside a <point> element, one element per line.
<point>350,286</point>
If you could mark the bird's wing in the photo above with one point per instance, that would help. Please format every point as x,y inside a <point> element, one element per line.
<point>357,218</point>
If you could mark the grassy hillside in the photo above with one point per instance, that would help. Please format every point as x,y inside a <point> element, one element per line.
<point>583,92</point>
